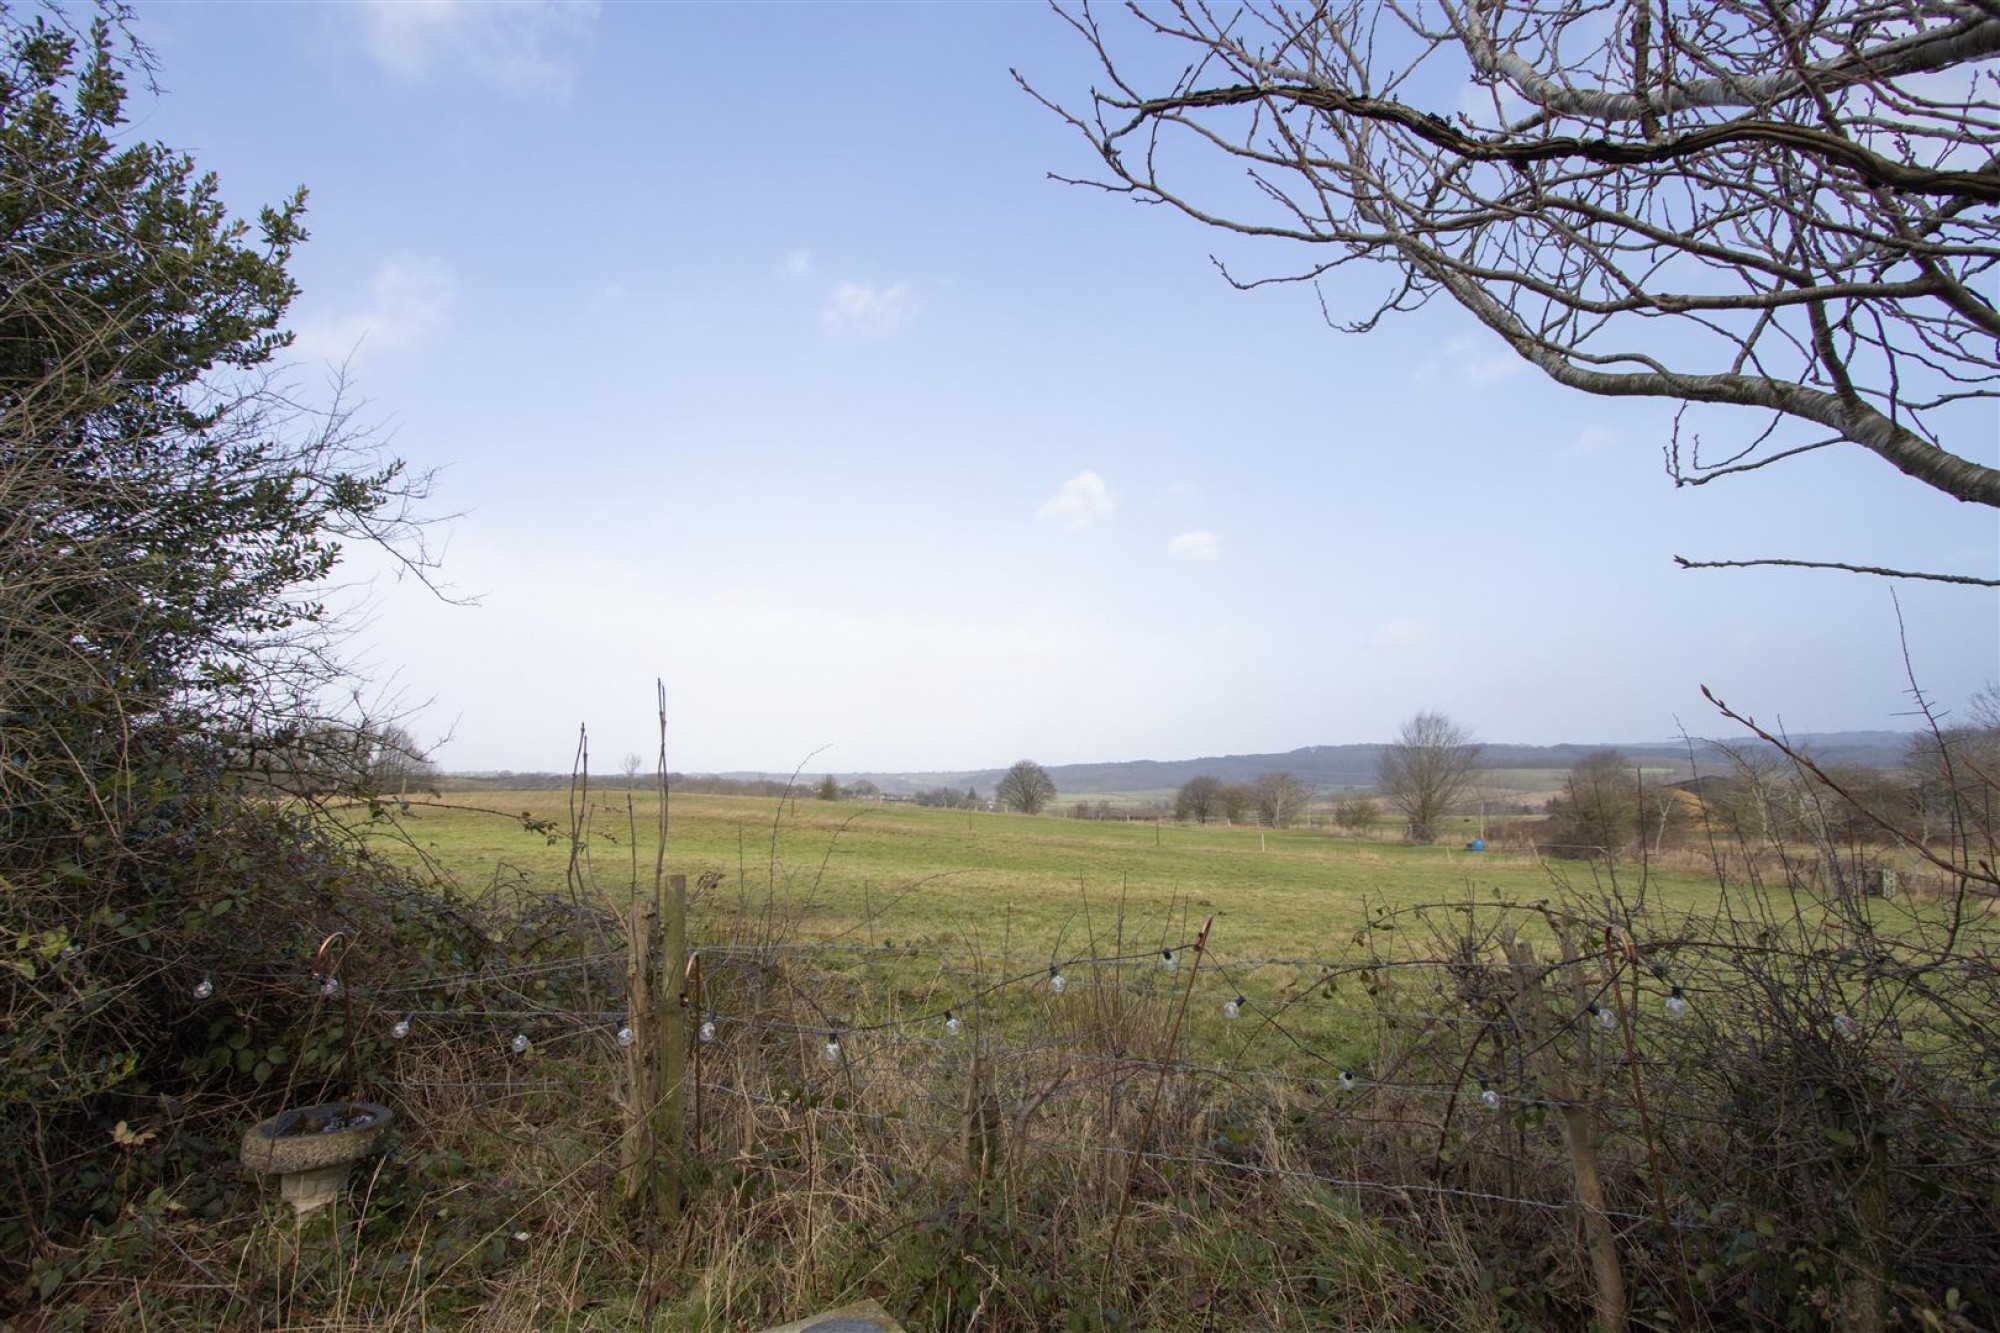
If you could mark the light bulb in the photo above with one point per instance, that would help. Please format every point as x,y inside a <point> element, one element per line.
<point>1056,982</point>
<point>400,1029</point>
<point>521,1236</point>
<point>831,1053</point>
<point>1231,1008</point>
<point>1677,1005</point>
<point>204,988</point>
<point>1489,1098</point>
<point>329,987</point>
<point>1605,1018</point>
<point>1347,1080</point>
<point>519,1045</point>
<point>69,951</point>
<point>625,1036</point>
<point>1167,960</point>
<point>951,1023</point>
<point>1845,1026</point>
<point>707,1030</point>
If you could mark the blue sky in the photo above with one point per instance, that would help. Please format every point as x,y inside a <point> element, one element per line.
<point>759,354</point>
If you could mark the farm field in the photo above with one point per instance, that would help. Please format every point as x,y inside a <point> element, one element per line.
<point>875,873</point>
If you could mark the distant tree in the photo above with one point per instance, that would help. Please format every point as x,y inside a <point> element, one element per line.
<point>1598,812</point>
<point>1954,777</point>
<point>1356,814</point>
<point>829,790</point>
<point>1280,798</point>
<point>397,761</point>
<point>1607,806</point>
<point>971,798</point>
<point>1751,803</point>
<point>1235,800</point>
<point>630,766</point>
<point>1027,787</point>
<point>1874,796</point>
<point>1199,799</point>
<point>1425,770</point>
<point>860,790</point>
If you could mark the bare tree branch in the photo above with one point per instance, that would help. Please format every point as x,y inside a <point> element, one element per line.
<point>1973,580</point>
<point>1723,203</point>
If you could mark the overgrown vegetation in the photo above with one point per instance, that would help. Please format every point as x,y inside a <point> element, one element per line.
<point>166,512</point>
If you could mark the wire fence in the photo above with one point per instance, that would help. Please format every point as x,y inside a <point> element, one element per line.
<point>1654,1089</point>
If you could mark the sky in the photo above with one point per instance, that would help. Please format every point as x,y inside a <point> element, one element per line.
<point>758,354</point>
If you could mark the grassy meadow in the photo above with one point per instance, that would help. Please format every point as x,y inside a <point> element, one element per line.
<point>875,873</point>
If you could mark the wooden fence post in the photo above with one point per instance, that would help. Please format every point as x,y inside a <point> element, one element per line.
<point>670,1106</point>
<point>653,1153</point>
<point>1575,1111</point>
<point>637,1150</point>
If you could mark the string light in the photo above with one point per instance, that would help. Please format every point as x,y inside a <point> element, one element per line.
<point>1487,1097</point>
<point>706,1032</point>
<point>831,1052</point>
<point>204,988</point>
<point>1167,960</point>
<point>1845,1026</point>
<point>329,987</point>
<point>1677,1005</point>
<point>951,1023</point>
<point>1347,1080</point>
<point>1056,983</point>
<point>400,1029</point>
<point>625,1035</point>
<point>520,1044</point>
<point>1605,1018</point>
<point>1231,1008</point>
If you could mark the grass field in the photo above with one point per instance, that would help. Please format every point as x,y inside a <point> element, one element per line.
<point>953,879</point>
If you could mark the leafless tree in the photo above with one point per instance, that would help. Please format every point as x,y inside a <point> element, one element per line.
<point>1426,769</point>
<point>1026,787</point>
<point>1356,814</point>
<point>1606,805</point>
<point>1788,210</point>
<point>1281,798</point>
<point>396,762</point>
<point>1199,798</point>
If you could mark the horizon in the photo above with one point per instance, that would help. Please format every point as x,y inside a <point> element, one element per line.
<point>815,773</point>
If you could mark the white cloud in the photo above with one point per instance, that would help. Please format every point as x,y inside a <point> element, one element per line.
<point>865,310</point>
<point>1590,440</point>
<point>1483,362</point>
<point>1401,631</point>
<point>1081,501</point>
<point>1201,548</point>
<point>798,264</point>
<point>406,299</point>
<point>520,47</point>
<point>1471,363</point>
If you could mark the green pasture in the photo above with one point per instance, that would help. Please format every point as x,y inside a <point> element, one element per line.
<point>961,880</point>
<point>969,898</point>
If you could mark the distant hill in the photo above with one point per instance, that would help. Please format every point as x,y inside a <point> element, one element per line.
<point>1332,767</point>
